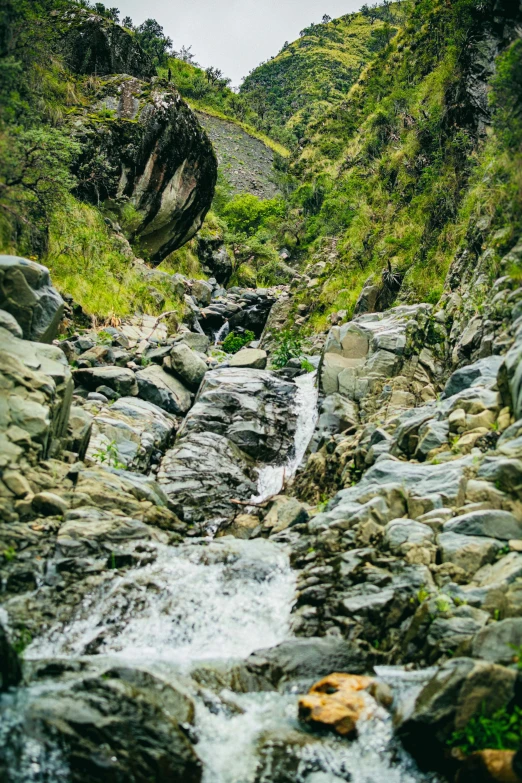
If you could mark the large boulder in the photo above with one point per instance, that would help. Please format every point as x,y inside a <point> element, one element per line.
<point>156,156</point>
<point>123,725</point>
<point>35,399</point>
<point>163,390</point>
<point>187,365</point>
<point>94,44</point>
<point>27,294</point>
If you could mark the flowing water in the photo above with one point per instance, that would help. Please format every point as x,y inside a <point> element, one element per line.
<point>221,333</point>
<point>206,606</point>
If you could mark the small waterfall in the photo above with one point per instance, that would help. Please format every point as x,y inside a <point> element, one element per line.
<point>202,600</point>
<point>220,335</point>
<point>272,477</point>
<point>197,327</point>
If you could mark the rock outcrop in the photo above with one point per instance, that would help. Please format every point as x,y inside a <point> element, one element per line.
<point>27,295</point>
<point>93,44</point>
<point>154,156</point>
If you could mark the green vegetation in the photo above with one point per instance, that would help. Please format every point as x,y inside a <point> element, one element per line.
<point>109,454</point>
<point>289,345</point>
<point>314,74</point>
<point>395,180</point>
<point>234,342</point>
<point>500,731</point>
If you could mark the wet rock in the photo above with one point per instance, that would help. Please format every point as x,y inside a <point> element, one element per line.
<point>250,357</point>
<point>186,365</point>
<point>248,407</point>
<point>499,641</point>
<point>452,634</point>
<point>493,524</point>
<point>27,294</point>
<point>113,728</point>
<point>88,531</point>
<point>308,660</point>
<point>242,527</point>
<point>10,669</point>
<point>161,389</point>
<point>119,379</point>
<point>48,504</point>
<point>335,703</point>
<point>202,474</point>
<point>402,532</point>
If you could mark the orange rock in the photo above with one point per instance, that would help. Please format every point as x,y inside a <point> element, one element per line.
<point>489,766</point>
<point>335,703</point>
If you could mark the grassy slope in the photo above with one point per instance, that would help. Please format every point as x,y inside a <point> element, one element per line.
<point>314,73</point>
<point>398,172</point>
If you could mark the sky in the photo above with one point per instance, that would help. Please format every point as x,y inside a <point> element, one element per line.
<point>234,35</point>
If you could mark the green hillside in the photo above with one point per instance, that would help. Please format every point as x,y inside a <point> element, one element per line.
<point>421,162</point>
<point>314,73</point>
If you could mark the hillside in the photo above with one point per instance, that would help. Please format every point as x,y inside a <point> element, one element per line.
<point>420,164</point>
<point>311,75</point>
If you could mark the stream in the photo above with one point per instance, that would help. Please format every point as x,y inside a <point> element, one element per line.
<point>193,615</point>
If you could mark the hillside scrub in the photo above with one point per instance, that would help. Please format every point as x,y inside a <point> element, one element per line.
<point>397,174</point>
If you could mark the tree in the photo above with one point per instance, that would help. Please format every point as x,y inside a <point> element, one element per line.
<point>152,39</point>
<point>327,19</point>
<point>128,23</point>
<point>185,55</point>
<point>213,75</point>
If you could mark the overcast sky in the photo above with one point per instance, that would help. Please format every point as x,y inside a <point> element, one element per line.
<point>234,35</point>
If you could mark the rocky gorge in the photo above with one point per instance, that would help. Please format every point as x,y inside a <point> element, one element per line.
<point>236,546</point>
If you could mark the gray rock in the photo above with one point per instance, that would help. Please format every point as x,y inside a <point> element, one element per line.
<point>503,572</point>
<point>202,474</point>
<point>35,399</point>
<point>195,341</point>
<point>139,430</point>
<point>186,365</point>
<point>448,634</point>
<point>505,473</point>
<point>10,324</point>
<point>468,552</point>
<point>119,379</point>
<point>87,531</point>
<point>513,373</point>
<point>202,292</point>
<point>336,414</point>
<point>27,294</point>
<point>163,390</point>
<point>250,357</point>
<point>481,373</point>
<point>407,531</point>
<point>285,512</point>
<point>493,524</point>
<point>499,642</point>
<point>308,660</point>
<point>48,504</point>
<point>79,431</point>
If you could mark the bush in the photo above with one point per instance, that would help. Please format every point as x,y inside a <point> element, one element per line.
<point>500,731</point>
<point>289,346</point>
<point>234,342</point>
<point>246,213</point>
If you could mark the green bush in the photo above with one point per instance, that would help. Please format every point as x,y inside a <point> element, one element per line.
<point>247,213</point>
<point>234,342</point>
<point>500,731</point>
<point>289,346</point>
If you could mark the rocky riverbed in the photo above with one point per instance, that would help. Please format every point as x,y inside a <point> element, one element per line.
<point>191,540</point>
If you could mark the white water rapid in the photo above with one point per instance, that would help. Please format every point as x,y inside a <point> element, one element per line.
<point>221,333</point>
<point>193,615</point>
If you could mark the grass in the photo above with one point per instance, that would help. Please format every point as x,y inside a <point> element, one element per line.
<point>89,263</point>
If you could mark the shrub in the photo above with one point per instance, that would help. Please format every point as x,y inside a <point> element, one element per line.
<point>289,346</point>
<point>234,342</point>
<point>500,731</point>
